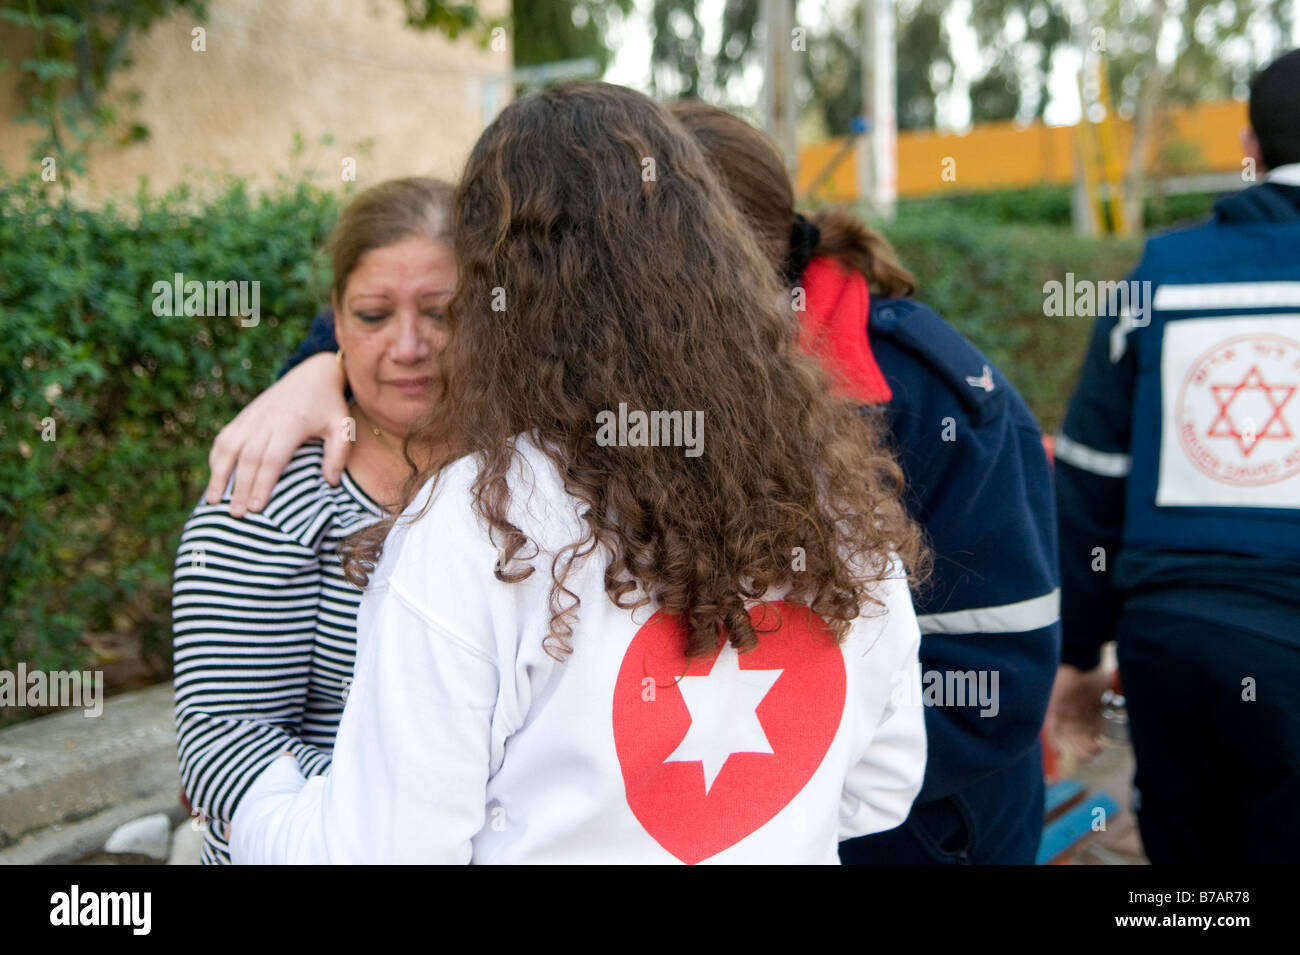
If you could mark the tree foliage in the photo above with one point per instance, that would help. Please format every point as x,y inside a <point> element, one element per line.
<point>1221,42</point>
<point>545,31</point>
<point>443,17</point>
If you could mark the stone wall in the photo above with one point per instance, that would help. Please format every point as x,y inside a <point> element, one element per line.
<point>350,69</point>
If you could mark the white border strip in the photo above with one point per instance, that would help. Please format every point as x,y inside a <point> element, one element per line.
<point>1032,614</point>
<point>1172,298</point>
<point>1105,463</point>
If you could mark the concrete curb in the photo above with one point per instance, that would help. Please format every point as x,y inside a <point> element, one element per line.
<point>78,841</point>
<point>67,781</point>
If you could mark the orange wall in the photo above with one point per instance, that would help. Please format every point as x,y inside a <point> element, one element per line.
<point>1005,156</point>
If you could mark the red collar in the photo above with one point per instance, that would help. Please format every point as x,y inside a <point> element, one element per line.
<point>833,329</point>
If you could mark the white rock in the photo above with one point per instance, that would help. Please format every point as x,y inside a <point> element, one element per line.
<point>147,836</point>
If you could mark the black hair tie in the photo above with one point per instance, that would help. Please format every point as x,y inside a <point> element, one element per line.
<point>804,237</point>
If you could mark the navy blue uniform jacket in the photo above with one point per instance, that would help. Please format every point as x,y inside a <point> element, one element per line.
<point>1178,465</point>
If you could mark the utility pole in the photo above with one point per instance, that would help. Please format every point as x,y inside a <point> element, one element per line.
<point>878,149</point>
<point>778,85</point>
<point>1084,197</point>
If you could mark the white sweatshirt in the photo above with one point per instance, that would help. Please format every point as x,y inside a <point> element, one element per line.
<point>463,741</point>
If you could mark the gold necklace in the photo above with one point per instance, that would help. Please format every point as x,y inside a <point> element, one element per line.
<point>381,436</point>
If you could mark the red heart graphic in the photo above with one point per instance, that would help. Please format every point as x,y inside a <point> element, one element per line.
<point>689,814</point>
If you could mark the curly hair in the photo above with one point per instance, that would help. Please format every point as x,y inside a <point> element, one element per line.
<point>627,276</point>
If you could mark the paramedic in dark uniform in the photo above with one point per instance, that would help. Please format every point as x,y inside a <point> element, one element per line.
<point>1178,490</point>
<point>977,479</point>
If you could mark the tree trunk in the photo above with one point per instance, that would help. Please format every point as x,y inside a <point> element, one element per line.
<point>1150,99</point>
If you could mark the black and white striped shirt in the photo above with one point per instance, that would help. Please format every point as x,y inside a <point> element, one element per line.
<point>264,631</point>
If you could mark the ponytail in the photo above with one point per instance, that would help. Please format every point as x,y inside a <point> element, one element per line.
<point>861,248</point>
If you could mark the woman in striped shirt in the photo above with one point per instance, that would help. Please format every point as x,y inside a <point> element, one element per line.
<point>264,622</point>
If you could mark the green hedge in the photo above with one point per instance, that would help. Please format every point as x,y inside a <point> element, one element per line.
<point>1051,206</point>
<point>90,521</point>
<point>987,279</point>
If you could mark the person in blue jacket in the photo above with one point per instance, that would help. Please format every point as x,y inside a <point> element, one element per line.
<point>1178,487</point>
<point>979,481</point>
<point>980,484</point>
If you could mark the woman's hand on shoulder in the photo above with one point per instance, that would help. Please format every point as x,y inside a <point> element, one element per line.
<point>257,445</point>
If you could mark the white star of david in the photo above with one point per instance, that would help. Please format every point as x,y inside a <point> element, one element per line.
<point>724,719</point>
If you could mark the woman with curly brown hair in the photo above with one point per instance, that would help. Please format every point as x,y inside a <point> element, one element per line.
<point>581,643</point>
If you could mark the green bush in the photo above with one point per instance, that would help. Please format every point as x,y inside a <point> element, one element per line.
<point>1051,206</point>
<point>1041,205</point>
<point>107,410</point>
<point>90,520</point>
<point>987,279</point>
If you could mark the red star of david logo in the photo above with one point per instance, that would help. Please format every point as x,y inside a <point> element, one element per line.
<point>1224,426</point>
